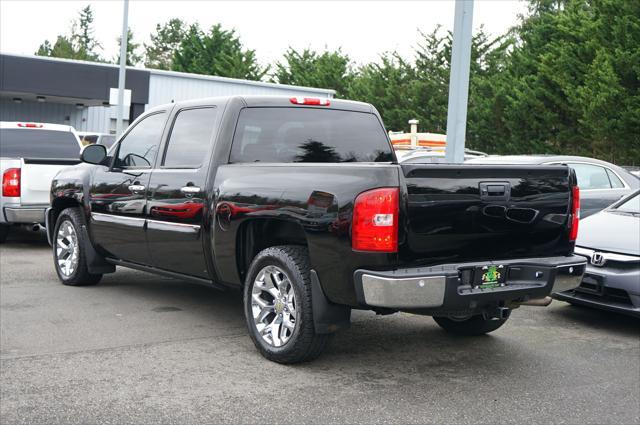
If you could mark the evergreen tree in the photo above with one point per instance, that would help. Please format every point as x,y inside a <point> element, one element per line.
<point>164,43</point>
<point>80,44</point>
<point>217,52</point>
<point>311,69</point>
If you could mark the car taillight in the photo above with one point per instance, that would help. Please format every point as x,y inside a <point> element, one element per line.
<point>575,213</point>
<point>375,221</point>
<point>30,125</point>
<point>11,182</point>
<point>309,101</point>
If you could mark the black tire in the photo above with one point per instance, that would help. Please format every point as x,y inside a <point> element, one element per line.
<point>474,326</point>
<point>80,276</point>
<point>4,232</point>
<point>304,343</point>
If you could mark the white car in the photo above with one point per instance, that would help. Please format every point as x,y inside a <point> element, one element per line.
<point>31,154</point>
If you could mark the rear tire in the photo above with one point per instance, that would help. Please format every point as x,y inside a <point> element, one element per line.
<point>474,326</point>
<point>4,232</point>
<point>69,256</point>
<point>277,306</point>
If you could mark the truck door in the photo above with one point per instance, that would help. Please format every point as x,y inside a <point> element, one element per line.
<point>177,199</point>
<point>118,194</point>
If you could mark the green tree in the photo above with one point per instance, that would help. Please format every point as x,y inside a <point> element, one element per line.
<point>572,81</point>
<point>133,58</point>
<point>390,86</point>
<point>164,43</point>
<point>326,70</point>
<point>217,52</point>
<point>80,44</point>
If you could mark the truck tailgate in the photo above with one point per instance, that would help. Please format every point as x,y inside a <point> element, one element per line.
<point>36,179</point>
<point>475,212</point>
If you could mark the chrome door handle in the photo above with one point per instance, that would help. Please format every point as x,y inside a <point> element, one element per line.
<point>190,190</point>
<point>136,188</point>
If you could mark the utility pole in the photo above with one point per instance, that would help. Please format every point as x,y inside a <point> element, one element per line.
<point>123,68</point>
<point>459,81</point>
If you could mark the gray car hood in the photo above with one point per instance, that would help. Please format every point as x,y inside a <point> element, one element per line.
<point>610,231</point>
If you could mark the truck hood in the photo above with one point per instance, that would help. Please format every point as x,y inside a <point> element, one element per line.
<point>610,231</point>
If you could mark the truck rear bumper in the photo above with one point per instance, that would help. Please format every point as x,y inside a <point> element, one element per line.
<point>444,287</point>
<point>24,214</point>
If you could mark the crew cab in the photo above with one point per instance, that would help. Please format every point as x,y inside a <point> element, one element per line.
<point>301,204</point>
<point>30,155</point>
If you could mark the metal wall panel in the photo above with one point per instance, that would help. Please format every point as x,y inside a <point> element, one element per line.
<point>56,113</point>
<point>93,118</point>
<point>168,87</point>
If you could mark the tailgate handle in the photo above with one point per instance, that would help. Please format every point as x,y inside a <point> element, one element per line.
<point>495,190</point>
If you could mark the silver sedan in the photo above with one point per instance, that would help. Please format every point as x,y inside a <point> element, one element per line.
<point>610,240</point>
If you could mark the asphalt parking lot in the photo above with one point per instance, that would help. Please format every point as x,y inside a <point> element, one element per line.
<point>144,349</point>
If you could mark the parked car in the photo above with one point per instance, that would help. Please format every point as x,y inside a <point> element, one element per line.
<point>305,208</point>
<point>610,240</point>
<point>30,155</point>
<point>601,183</point>
<point>89,138</point>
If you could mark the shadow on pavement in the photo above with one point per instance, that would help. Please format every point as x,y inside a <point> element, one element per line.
<point>20,237</point>
<point>598,319</point>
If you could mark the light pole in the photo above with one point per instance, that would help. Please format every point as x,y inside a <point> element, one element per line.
<point>123,68</point>
<point>459,81</point>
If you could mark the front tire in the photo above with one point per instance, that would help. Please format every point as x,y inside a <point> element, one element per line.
<point>473,326</point>
<point>277,306</point>
<point>69,256</point>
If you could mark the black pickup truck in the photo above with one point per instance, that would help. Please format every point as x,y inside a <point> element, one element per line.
<point>302,204</point>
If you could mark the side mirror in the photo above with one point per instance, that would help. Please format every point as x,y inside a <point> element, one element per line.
<point>93,154</point>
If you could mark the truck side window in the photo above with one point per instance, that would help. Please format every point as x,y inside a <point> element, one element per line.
<point>591,176</point>
<point>615,180</point>
<point>284,135</point>
<point>190,138</point>
<point>139,147</point>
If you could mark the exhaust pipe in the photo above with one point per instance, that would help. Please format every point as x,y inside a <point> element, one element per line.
<point>539,302</point>
<point>33,227</point>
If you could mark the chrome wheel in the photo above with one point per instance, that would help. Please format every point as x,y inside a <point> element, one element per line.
<point>273,305</point>
<point>67,248</point>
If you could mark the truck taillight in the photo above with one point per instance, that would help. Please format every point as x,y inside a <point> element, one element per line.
<point>11,182</point>
<point>375,221</point>
<point>575,213</point>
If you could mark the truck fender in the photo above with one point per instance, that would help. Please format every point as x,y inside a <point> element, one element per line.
<point>327,316</point>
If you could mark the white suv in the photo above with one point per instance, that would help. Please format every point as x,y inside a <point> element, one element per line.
<point>31,154</point>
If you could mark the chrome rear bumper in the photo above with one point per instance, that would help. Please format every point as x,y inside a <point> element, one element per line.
<point>440,287</point>
<point>25,214</point>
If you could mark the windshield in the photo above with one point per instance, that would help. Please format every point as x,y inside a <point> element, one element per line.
<point>309,135</point>
<point>38,144</point>
<point>631,205</point>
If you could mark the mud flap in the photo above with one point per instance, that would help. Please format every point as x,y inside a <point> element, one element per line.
<point>96,263</point>
<point>327,316</point>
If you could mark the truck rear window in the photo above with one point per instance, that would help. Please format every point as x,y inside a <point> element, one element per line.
<point>309,135</point>
<point>38,144</point>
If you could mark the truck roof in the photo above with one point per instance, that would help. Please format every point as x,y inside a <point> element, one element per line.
<point>278,101</point>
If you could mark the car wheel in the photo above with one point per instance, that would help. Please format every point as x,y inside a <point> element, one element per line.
<point>4,232</point>
<point>277,306</point>
<point>473,326</point>
<point>69,254</point>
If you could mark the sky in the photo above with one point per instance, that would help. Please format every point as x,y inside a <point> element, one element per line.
<point>362,29</point>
